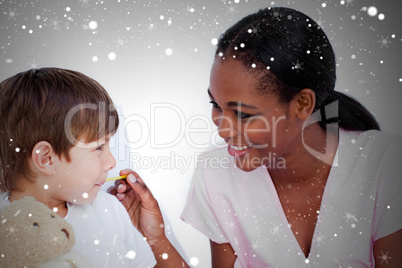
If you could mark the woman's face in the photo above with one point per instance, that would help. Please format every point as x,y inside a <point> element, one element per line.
<point>257,128</point>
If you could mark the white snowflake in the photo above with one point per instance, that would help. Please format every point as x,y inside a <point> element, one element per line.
<point>384,257</point>
<point>350,217</point>
<point>12,14</point>
<point>150,27</point>
<point>84,2</point>
<point>350,2</point>
<point>11,230</point>
<point>33,64</point>
<point>55,239</point>
<point>384,41</point>
<point>255,246</point>
<point>256,29</point>
<point>84,216</point>
<point>232,9</point>
<point>121,42</point>
<point>231,224</point>
<point>275,229</point>
<point>320,22</point>
<point>298,66</point>
<point>319,239</point>
<point>190,9</point>
<point>55,23</point>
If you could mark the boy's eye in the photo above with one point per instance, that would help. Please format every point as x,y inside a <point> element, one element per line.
<point>214,104</point>
<point>100,148</point>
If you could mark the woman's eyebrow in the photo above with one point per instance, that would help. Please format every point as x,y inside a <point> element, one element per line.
<point>240,104</point>
<point>235,103</point>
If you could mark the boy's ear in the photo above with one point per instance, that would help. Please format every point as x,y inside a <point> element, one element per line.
<point>305,103</point>
<point>43,157</point>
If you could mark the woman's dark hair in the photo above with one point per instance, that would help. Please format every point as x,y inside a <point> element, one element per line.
<point>286,44</point>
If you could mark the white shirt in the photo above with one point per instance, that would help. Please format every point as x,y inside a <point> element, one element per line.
<point>104,233</point>
<point>361,203</point>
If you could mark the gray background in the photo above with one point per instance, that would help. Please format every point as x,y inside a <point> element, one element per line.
<point>149,52</point>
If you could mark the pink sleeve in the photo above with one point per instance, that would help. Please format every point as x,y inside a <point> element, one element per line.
<point>199,211</point>
<point>388,213</point>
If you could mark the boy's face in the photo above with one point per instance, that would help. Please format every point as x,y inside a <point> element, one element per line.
<point>79,180</point>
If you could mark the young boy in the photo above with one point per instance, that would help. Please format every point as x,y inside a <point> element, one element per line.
<point>55,127</point>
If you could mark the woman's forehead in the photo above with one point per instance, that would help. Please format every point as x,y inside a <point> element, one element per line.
<point>232,75</point>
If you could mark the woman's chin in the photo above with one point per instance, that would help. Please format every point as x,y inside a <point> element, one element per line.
<point>245,165</point>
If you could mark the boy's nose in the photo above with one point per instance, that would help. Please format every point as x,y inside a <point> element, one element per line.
<point>110,162</point>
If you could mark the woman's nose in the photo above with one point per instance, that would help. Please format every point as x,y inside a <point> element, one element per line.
<point>227,128</point>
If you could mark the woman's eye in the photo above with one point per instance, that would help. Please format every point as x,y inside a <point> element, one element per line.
<point>214,105</point>
<point>241,115</point>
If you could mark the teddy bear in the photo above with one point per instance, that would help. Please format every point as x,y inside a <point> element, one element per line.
<point>32,235</point>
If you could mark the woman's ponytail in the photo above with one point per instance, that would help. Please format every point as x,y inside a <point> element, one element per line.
<point>353,115</point>
<point>350,114</point>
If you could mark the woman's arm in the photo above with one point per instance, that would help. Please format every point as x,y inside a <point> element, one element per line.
<point>388,251</point>
<point>166,255</point>
<point>146,216</point>
<point>222,255</point>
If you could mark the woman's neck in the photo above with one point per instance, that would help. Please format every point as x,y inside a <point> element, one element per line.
<point>311,159</point>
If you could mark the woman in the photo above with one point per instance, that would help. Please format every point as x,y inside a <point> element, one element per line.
<point>311,181</point>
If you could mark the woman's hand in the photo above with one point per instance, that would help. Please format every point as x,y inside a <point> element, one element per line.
<point>146,216</point>
<point>140,204</point>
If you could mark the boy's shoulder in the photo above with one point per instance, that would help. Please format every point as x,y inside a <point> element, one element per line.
<point>104,206</point>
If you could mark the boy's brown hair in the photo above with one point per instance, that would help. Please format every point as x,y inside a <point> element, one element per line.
<point>49,104</point>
